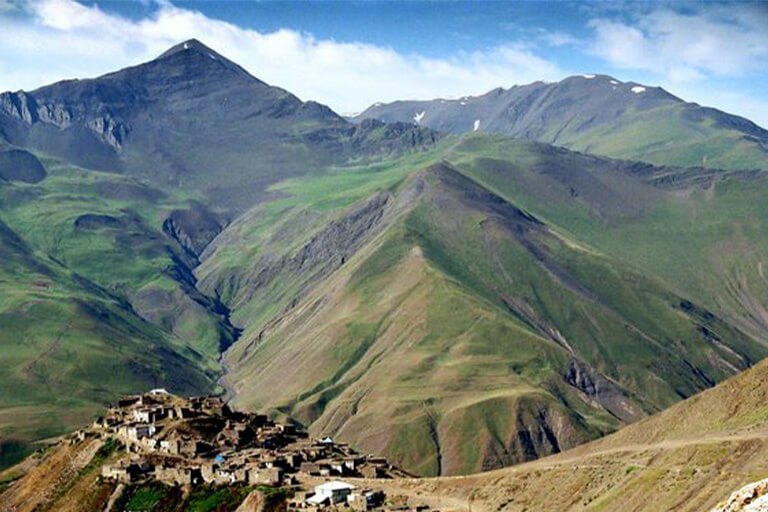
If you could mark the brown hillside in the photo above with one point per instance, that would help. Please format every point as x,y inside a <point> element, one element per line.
<point>687,458</point>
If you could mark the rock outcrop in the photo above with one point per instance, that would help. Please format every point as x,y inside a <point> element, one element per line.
<point>26,108</point>
<point>750,498</point>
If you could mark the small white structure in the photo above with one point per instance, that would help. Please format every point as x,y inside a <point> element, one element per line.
<point>331,493</point>
<point>142,416</point>
<point>159,391</point>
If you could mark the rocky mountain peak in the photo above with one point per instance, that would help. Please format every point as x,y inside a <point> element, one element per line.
<point>188,45</point>
<point>193,53</point>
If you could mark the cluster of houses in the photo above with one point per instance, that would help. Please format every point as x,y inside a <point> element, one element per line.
<point>198,440</point>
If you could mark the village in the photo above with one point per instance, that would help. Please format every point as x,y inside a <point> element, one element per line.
<point>200,440</point>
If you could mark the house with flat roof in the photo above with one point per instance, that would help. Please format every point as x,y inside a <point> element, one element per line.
<point>330,493</point>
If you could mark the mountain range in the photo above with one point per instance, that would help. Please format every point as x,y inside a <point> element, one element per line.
<point>597,114</point>
<point>454,299</point>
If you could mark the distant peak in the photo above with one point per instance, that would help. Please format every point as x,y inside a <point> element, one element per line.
<point>196,49</point>
<point>189,45</point>
<point>596,77</point>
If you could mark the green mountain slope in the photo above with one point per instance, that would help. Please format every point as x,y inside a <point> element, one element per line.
<point>68,346</point>
<point>96,299</point>
<point>436,322</point>
<point>701,232</point>
<point>601,115</point>
<point>110,229</point>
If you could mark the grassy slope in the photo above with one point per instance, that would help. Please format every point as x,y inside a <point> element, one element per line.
<point>70,340</point>
<point>409,329</point>
<point>68,347</point>
<point>666,136</point>
<point>132,259</point>
<point>706,241</point>
<point>688,458</point>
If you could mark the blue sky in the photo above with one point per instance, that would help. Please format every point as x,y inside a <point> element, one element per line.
<point>349,54</point>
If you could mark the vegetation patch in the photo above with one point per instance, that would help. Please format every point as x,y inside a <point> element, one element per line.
<point>12,452</point>
<point>154,496</point>
<point>209,498</point>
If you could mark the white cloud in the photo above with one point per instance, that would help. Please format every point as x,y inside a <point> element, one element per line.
<point>558,38</point>
<point>714,41</point>
<point>65,39</point>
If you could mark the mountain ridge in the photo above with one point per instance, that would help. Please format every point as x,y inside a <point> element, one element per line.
<point>597,114</point>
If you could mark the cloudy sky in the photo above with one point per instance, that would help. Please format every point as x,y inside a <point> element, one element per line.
<point>349,54</point>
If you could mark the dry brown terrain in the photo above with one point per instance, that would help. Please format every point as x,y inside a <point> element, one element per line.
<point>688,458</point>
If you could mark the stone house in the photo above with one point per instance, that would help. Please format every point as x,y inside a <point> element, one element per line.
<point>136,432</point>
<point>312,468</point>
<point>126,471</point>
<point>265,476</point>
<point>294,460</point>
<point>183,475</point>
<point>169,446</point>
<point>194,447</point>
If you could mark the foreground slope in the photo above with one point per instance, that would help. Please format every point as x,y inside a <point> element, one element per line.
<point>598,114</point>
<point>688,458</point>
<point>438,323</point>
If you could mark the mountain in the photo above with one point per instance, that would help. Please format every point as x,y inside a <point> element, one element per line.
<point>597,114</point>
<point>456,303</point>
<point>192,119</point>
<point>451,316</point>
<point>690,457</point>
<point>122,181</point>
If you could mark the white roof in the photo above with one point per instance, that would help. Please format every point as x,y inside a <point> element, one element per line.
<point>334,486</point>
<point>316,499</point>
<point>159,391</point>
